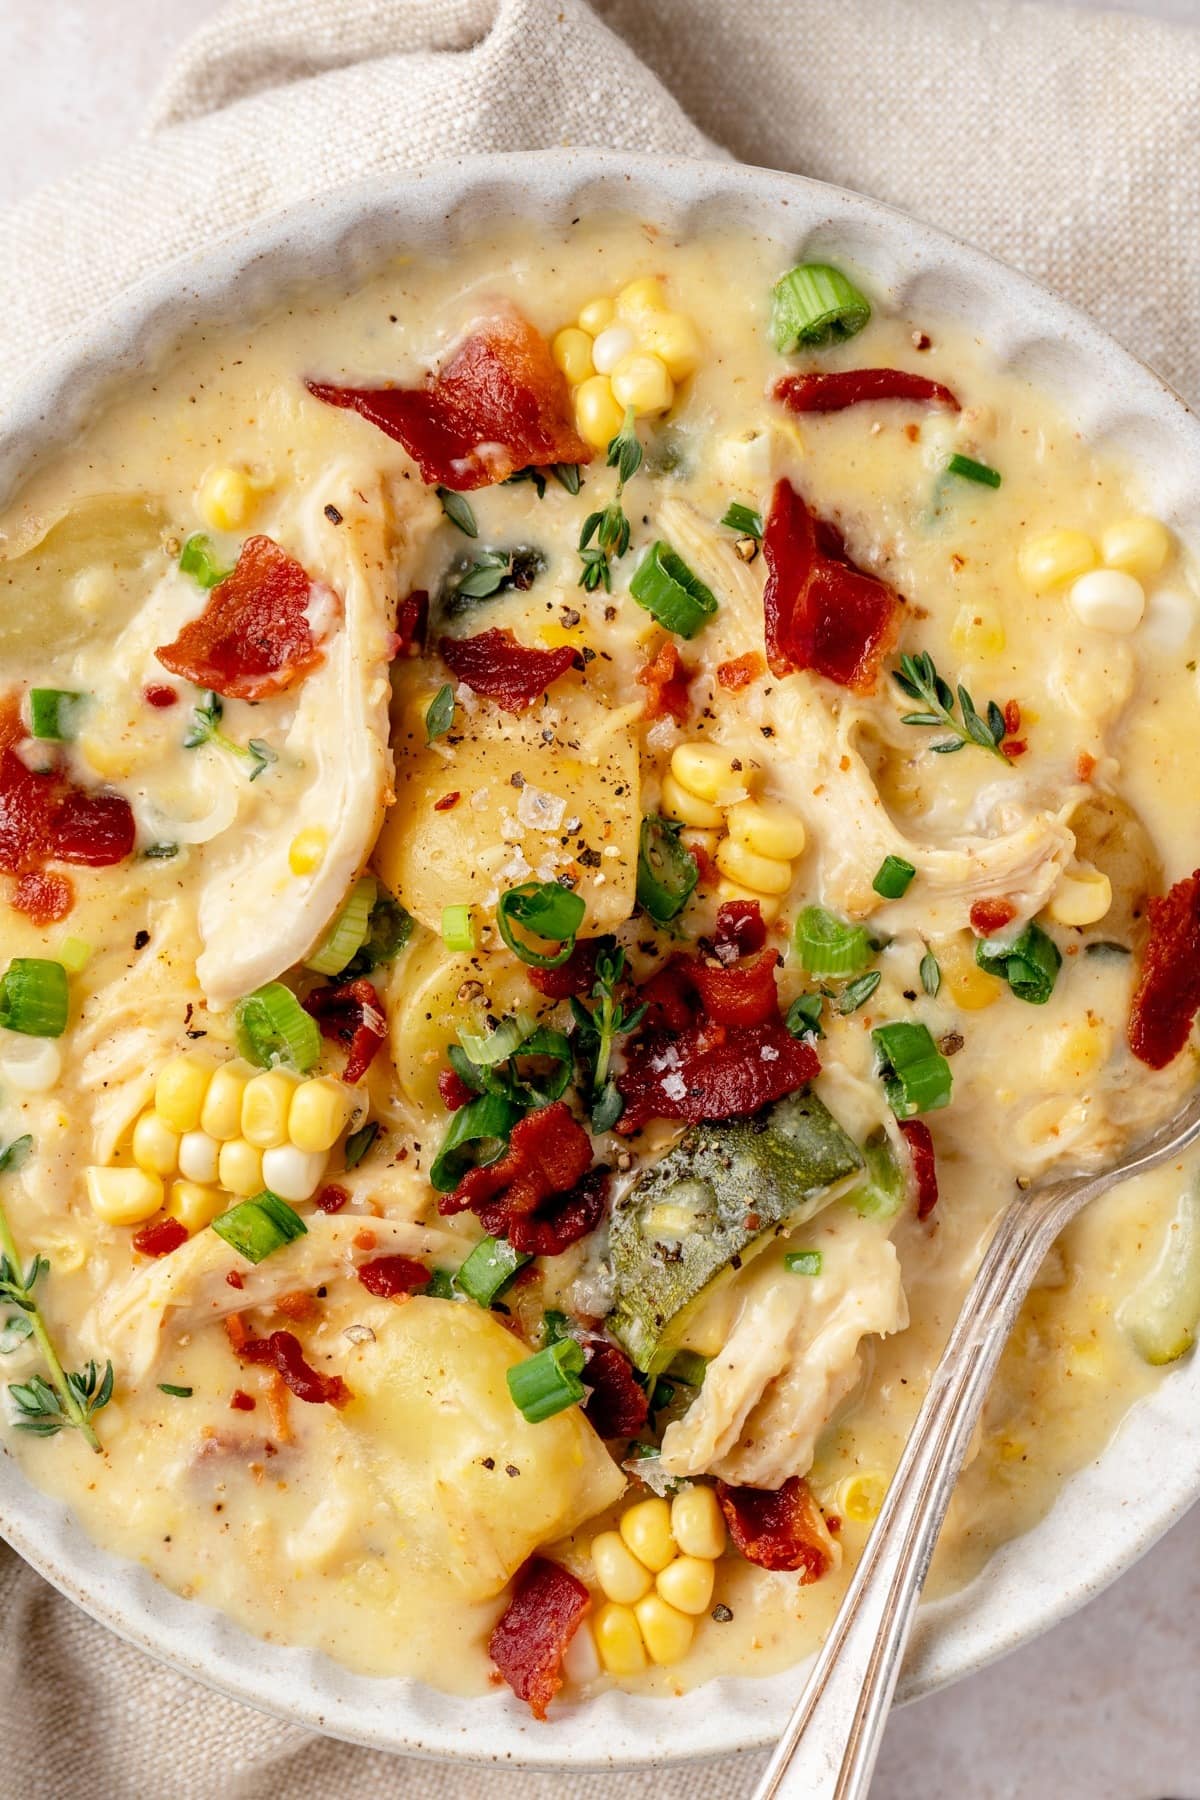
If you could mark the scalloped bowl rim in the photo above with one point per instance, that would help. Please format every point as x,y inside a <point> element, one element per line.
<point>1111,1511</point>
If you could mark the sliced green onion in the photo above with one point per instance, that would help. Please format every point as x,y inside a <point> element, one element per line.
<point>54,714</point>
<point>33,997</point>
<point>689,1367</point>
<point>856,993</point>
<point>439,715</point>
<point>803,1262</point>
<point>555,1325</point>
<point>458,932</point>
<point>348,933</point>
<point>489,1269</point>
<point>273,1027</point>
<point>256,1228</point>
<point>199,560</point>
<point>547,1382</point>
<point>667,872</point>
<point>885,1187</point>
<point>828,946</point>
<point>667,588</point>
<point>1030,964</point>
<point>176,1393</point>
<point>388,931</point>
<point>493,1047</point>
<point>815,304</point>
<point>893,877</point>
<point>478,1134</point>
<point>743,519</point>
<point>1162,1315</point>
<point>545,910</point>
<point>74,955</point>
<point>970,470</point>
<point>804,1016</point>
<point>441,1285</point>
<point>548,1042</point>
<point>931,974</point>
<point>458,510</point>
<point>916,1076</point>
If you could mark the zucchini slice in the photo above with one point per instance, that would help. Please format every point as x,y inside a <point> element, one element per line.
<point>1163,1314</point>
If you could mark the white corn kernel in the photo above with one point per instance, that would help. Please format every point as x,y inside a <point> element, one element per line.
<point>572,351</point>
<point>611,345</point>
<point>697,1523</point>
<point>265,1106</point>
<point>675,340</point>
<point>198,1155</point>
<point>239,1168</point>
<point>1055,557</point>
<point>768,904</point>
<point>226,498</point>
<point>640,298</point>
<point>598,418</point>
<point>762,874</point>
<point>306,851</point>
<point>1108,600</point>
<point>180,1089</point>
<point>688,808</point>
<point>687,1584</point>
<point>195,1206</point>
<point>1139,546</point>
<point>666,1633</point>
<point>1170,619</point>
<point>618,1570</point>
<point>221,1115</point>
<point>30,1065</point>
<point>293,1174</point>
<point>124,1196</point>
<point>319,1111</point>
<point>641,380</point>
<point>619,1640</point>
<point>597,314</point>
<point>646,1529</point>
<point>1083,895</point>
<point>581,1662</point>
<point>767,828</point>
<point>155,1146</point>
<point>708,772</point>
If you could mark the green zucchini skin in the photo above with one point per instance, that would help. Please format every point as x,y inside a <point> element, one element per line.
<point>716,1198</point>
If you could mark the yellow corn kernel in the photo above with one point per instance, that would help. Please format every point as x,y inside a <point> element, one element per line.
<point>674,339</point>
<point>180,1089</point>
<point>265,1106</point>
<point>124,1196</point>
<point>641,380</point>
<point>768,904</point>
<point>221,1115</point>
<point>618,1570</point>
<point>969,986</point>
<point>318,1113</point>
<point>597,416</point>
<point>977,631</point>
<point>687,1584</point>
<point>572,351</point>
<point>1053,558</point>
<point>1073,1052</point>
<point>640,297</point>
<point>226,498</point>
<point>860,1497</point>
<point>155,1145</point>
<point>619,1640</point>
<point>1137,546</point>
<point>597,314</point>
<point>666,1633</point>
<point>1085,1358</point>
<point>763,874</point>
<point>239,1167</point>
<point>707,771</point>
<point>306,851</point>
<point>678,802</point>
<point>767,828</point>
<point>1083,895</point>
<point>195,1206</point>
<point>646,1529</point>
<point>697,1523</point>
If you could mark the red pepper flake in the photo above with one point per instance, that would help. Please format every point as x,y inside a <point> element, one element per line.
<point>234,1280</point>
<point>1013,748</point>
<point>453,1089</point>
<point>528,1644</point>
<point>498,404</point>
<point>989,916</point>
<point>447,801</point>
<point>1012,718</point>
<point>160,1237</point>
<point>389,1276</point>
<point>740,671</point>
<point>297,1305</point>
<point>43,898</point>
<point>282,1351</point>
<point>365,1240</point>
<point>242,1402</point>
<point>822,393</point>
<point>919,1139</point>
<point>780,1529</point>
<point>495,665</point>
<point>352,1015</point>
<point>331,1198</point>
<point>159,695</point>
<point>253,638</point>
<point>708,872</point>
<point>1168,991</point>
<point>618,1405</point>
<point>666,679</point>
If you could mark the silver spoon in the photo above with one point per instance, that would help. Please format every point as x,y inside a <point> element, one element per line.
<point>829,1746</point>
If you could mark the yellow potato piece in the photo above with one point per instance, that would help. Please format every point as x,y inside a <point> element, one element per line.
<point>426,1010</point>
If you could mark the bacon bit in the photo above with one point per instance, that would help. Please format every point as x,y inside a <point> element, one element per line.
<point>277,1406</point>
<point>331,1198</point>
<point>1013,748</point>
<point>529,1642</point>
<point>778,1530</point>
<point>365,1240</point>
<point>820,611</point>
<point>711,1072</point>
<point>253,638</point>
<point>666,680</point>
<point>575,976</point>
<point>447,801</point>
<point>740,671</point>
<point>924,1164</point>
<point>389,1276</point>
<point>497,405</point>
<point>822,393</point>
<point>234,1279</point>
<point>495,665</point>
<point>570,1218</point>
<point>618,1405</point>
<point>740,930</point>
<point>95,830</point>
<point>43,898</point>
<point>298,1305</point>
<point>669,995</point>
<point>412,617</point>
<point>989,916</point>
<point>453,1089</point>
<point>158,694</point>
<point>1168,991</point>
<point>43,818</point>
<point>1085,766</point>
<point>242,1402</point>
<point>282,1351</point>
<point>707,871</point>
<point>548,1152</point>
<point>352,1015</point>
<point>160,1237</point>
<point>742,993</point>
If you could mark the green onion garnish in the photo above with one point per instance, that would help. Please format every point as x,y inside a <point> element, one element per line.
<point>856,993</point>
<point>54,714</point>
<point>931,974</point>
<point>358,1143</point>
<point>493,1047</point>
<point>1029,964</point>
<point>689,1367</point>
<point>803,1262</point>
<point>273,1027</point>
<point>176,1393</point>
<point>441,1285</point>
<point>199,560</point>
<point>34,998</point>
<point>828,946</point>
<point>348,933</point>
<point>893,877</point>
<point>555,1325</point>
<point>256,1228</point>
<point>667,588</point>
<point>546,911</point>
<point>439,715</point>
<point>74,955</point>
<point>743,519</point>
<point>457,509</point>
<point>815,304</point>
<point>388,930</point>
<point>548,1382</point>
<point>804,1016</point>
<point>458,933</point>
<point>970,470</point>
<point>478,1134</point>
<point>488,1270</point>
<point>916,1076</point>
<point>666,870</point>
<point>885,1188</point>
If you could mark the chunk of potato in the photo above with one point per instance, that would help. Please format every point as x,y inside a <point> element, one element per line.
<point>83,574</point>
<point>425,1009</point>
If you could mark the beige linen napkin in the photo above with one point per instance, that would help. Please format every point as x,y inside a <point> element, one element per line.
<point>1066,143</point>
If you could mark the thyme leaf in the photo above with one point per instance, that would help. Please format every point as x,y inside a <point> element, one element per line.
<point>918,678</point>
<point>205,728</point>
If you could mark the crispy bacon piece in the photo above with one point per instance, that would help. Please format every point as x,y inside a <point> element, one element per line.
<point>666,679</point>
<point>351,1014</point>
<point>924,1164</point>
<point>240,1401</point>
<point>557,1227</point>
<point>740,671</point>
<point>282,1351</point>
<point>822,393</point>
<point>159,1237</point>
<point>1168,991</point>
<point>618,1405</point>
<point>575,976</point>
<point>388,1276</point>
<point>95,830</point>
<point>253,638</point>
<point>331,1198</point>
<point>498,404</point>
<point>453,1089</point>
<point>740,929</point>
<point>412,616</point>
<point>820,611</point>
<point>529,1642</point>
<point>781,1529</point>
<point>741,992</point>
<point>43,898</point>
<point>711,1072</point>
<point>670,995</point>
<point>495,665</point>
<point>990,916</point>
<point>548,1152</point>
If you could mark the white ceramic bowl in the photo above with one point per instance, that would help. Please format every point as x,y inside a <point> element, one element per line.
<point>1109,1513</point>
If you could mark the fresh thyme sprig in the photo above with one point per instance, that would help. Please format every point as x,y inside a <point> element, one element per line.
<point>918,677</point>
<point>205,728</point>
<point>66,1401</point>
<point>597,1030</point>
<point>610,527</point>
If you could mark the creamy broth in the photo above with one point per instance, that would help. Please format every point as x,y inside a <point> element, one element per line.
<point>374,1529</point>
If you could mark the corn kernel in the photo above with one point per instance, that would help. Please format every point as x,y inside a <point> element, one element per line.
<point>619,1640</point>
<point>598,418</point>
<point>155,1145</point>
<point>687,1584</point>
<point>1053,558</point>
<point>572,351</point>
<point>674,339</point>
<point>666,1633</point>
<point>1137,546</point>
<point>640,297</point>
<point>124,1196</point>
<point>221,1115</point>
<point>265,1106</point>
<point>198,1157</point>
<point>239,1167</point>
<point>193,1205</point>
<point>319,1111</point>
<point>1083,895</point>
<point>762,874</point>
<point>618,1570</point>
<point>641,380</point>
<point>306,851</point>
<point>1073,1052</point>
<point>646,1529</point>
<point>768,904</point>
<point>112,758</point>
<point>597,314</point>
<point>861,1496</point>
<point>678,803</point>
<point>708,772</point>
<point>976,631</point>
<point>293,1174</point>
<point>969,986</point>
<point>180,1089</point>
<point>767,828</point>
<point>697,1523</point>
<point>613,343</point>
<point>226,498</point>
